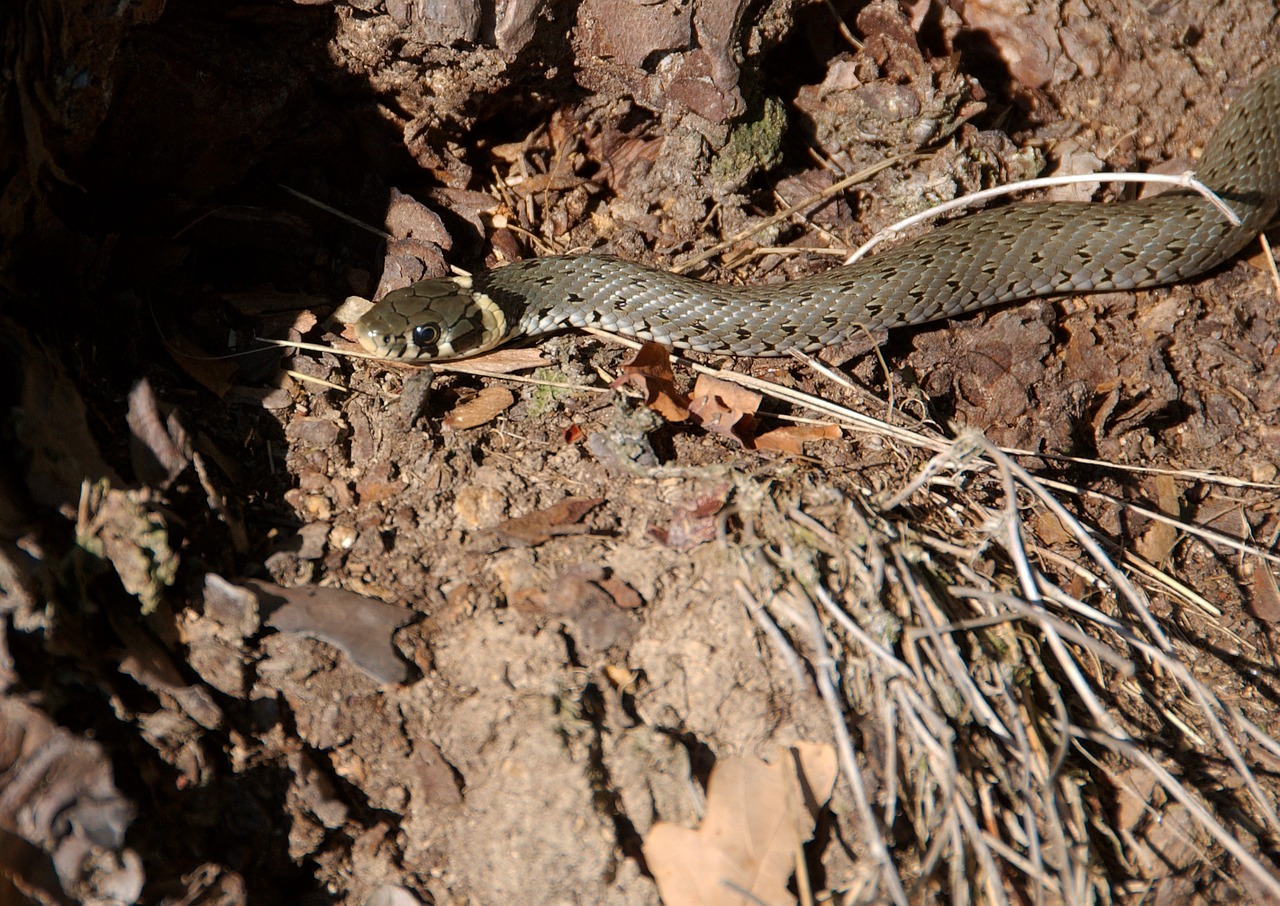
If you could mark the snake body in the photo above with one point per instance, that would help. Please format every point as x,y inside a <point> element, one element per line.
<point>1000,255</point>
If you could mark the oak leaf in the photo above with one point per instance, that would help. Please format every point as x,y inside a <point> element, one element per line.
<point>758,817</point>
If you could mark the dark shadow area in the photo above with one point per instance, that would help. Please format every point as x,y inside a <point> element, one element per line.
<point>153,225</point>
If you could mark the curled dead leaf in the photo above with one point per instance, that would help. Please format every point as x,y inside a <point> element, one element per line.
<point>62,819</point>
<point>1264,599</point>
<point>693,521</point>
<point>649,371</point>
<point>597,608</point>
<point>791,438</point>
<point>482,408</point>
<point>158,446</point>
<point>499,361</point>
<point>726,409</point>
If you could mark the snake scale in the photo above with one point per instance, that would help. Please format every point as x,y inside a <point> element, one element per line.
<point>1000,255</point>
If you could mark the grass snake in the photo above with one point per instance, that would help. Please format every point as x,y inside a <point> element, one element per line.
<point>1000,255</point>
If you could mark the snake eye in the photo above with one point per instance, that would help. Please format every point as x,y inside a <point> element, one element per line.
<point>425,335</point>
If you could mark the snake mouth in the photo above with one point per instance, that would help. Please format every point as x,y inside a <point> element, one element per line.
<point>370,344</point>
<point>376,340</point>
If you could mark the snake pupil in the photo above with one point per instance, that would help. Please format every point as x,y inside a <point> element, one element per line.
<point>425,335</point>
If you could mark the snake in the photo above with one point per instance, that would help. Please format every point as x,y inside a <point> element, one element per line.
<point>1000,255</point>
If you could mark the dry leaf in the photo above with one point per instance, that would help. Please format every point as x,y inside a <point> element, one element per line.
<point>1256,255</point>
<point>693,522</point>
<point>1156,543</point>
<point>537,528</point>
<point>50,424</point>
<point>731,396</point>
<point>210,372</point>
<point>726,409</point>
<point>649,371</point>
<point>719,407</point>
<point>62,821</point>
<point>1264,603</point>
<point>790,438</point>
<point>158,447</point>
<point>596,607</point>
<point>358,626</point>
<point>482,408</point>
<point>758,816</point>
<point>439,782</point>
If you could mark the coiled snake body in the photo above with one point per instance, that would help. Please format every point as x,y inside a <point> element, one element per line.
<point>1000,255</point>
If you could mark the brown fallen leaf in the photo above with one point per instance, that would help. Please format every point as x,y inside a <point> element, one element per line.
<point>790,438</point>
<point>480,409</point>
<point>213,373</point>
<point>49,425</point>
<point>1264,602</point>
<point>719,407</point>
<point>693,521</point>
<point>1157,542</point>
<point>539,527</point>
<point>596,607</point>
<point>726,409</point>
<point>731,396</point>
<point>758,816</point>
<point>1256,255</point>
<point>358,626</point>
<point>159,447</point>
<point>439,782</point>
<point>649,371</point>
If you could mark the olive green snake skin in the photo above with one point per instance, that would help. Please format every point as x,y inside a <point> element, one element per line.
<point>1000,255</point>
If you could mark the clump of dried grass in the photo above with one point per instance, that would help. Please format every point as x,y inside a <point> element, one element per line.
<point>992,723</point>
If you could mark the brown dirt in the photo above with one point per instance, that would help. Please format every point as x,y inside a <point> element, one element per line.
<point>543,692</point>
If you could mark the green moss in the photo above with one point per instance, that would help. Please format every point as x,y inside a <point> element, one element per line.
<point>546,399</point>
<point>754,144</point>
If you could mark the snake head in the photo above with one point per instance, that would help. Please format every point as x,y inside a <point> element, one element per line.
<point>432,320</point>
